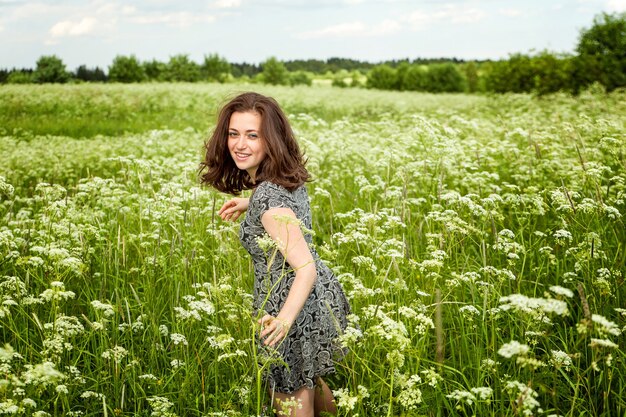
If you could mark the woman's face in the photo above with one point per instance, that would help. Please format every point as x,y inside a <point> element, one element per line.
<point>246,146</point>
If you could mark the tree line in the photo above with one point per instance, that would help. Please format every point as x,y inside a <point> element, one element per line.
<point>600,58</point>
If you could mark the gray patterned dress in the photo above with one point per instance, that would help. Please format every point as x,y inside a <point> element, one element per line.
<point>310,347</point>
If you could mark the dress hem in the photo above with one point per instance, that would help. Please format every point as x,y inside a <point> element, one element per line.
<point>323,374</point>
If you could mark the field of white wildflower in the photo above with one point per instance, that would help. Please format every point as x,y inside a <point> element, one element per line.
<point>480,240</point>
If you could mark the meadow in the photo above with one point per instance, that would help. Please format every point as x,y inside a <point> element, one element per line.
<point>480,241</point>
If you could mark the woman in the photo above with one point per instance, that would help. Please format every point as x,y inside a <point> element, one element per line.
<point>301,305</point>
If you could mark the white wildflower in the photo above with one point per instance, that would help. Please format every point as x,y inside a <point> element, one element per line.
<point>519,302</point>
<point>91,394</point>
<point>107,309</point>
<point>7,353</point>
<point>178,339</point>
<point>266,243</point>
<point>562,235</point>
<point>395,358</point>
<point>42,374</point>
<point>56,292</point>
<point>411,396</point>
<point>229,355</point>
<point>484,393</point>
<point>462,396</point>
<point>469,312</point>
<point>603,343</point>
<point>566,292</point>
<point>489,365</point>
<point>29,402</point>
<point>346,401</point>
<point>407,312</point>
<point>604,326</point>
<point>160,407</point>
<point>431,377</point>
<point>176,363</point>
<point>560,359</point>
<point>513,348</point>
<point>350,336</point>
<point>525,397</point>
<point>116,353</point>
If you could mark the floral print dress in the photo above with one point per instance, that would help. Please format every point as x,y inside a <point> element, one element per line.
<point>310,348</point>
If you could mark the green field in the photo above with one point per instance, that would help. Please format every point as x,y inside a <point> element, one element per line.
<point>480,240</point>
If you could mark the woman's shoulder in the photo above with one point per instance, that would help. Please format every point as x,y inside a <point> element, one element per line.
<point>268,190</point>
<point>272,187</point>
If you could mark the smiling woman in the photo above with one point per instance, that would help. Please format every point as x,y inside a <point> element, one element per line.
<point>299,305</point>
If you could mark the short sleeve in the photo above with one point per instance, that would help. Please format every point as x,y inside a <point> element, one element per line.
<point>269,195</point>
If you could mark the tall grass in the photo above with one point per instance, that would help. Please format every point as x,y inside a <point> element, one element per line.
<point>480,241</point>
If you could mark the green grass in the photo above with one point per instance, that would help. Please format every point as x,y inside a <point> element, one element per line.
<point>430,209</point>
<point>108,109</point>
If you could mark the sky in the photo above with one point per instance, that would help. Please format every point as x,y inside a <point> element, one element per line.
<point>93,32</point>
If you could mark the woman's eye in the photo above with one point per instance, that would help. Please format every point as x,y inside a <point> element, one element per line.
<point>233,134</point>
<point>253,136</point>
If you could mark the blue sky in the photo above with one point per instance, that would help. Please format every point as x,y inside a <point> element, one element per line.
<point>93,32</point>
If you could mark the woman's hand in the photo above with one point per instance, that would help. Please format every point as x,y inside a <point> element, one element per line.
<point>273,329</point>
<point>233,208</point>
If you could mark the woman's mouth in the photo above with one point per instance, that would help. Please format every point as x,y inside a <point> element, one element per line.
<point>240,155</point>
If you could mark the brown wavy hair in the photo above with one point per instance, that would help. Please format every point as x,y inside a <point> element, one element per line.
<point>284,163</point>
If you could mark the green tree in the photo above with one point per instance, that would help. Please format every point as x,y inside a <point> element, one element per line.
<point>513,75</point>
<point>250,70</point>
<point>356,77</point>
<point>126,69</point>
<point>602,52</point>
<point>416,78</point>
<point>20,77</point>
<point>300,78</point>
<point>181,68</point>
<point>444,78</point>
<point>471,75</point>
<point>215,68</point>
<point>51,69</point>
<point>87,74</point>
<point>401,70</point>
<point>382,77</point>
<point>339,79</point>
<point>552,73</point>
<point>154,69</point>
<point>274,72</point>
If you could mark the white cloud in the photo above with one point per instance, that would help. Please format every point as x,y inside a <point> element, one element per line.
<point>353,29</point>
<point>511,12</point>
<point>449,12</point>
<point>415,20</point>
<point>29,10</point>
<point>68,28</point>
<point>179,19</point>
<point>226,4</point>
<point>340,30</point>
<point>616,5</point>
<point>113,10</point>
